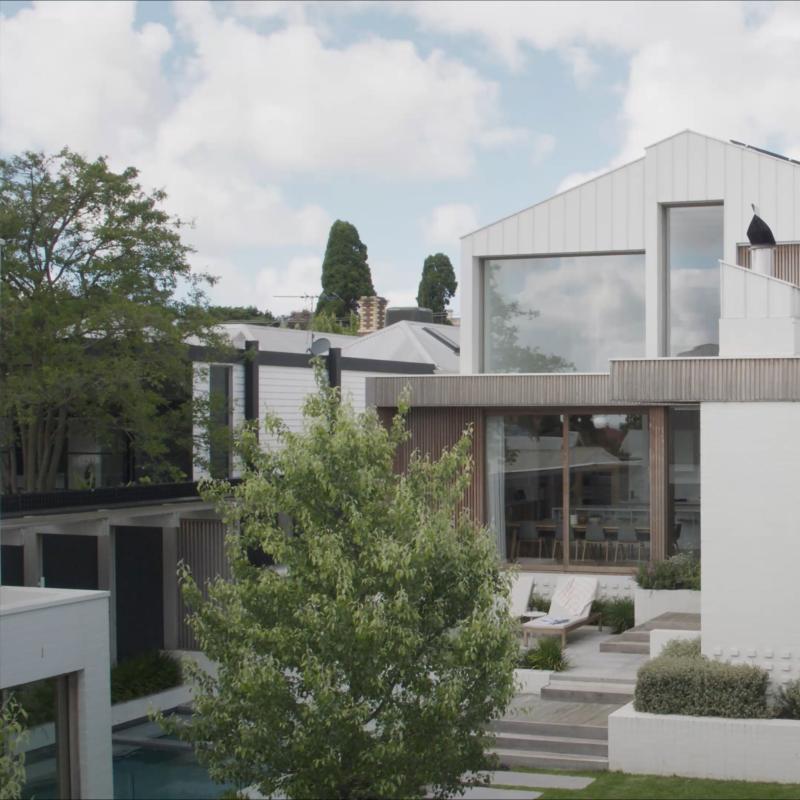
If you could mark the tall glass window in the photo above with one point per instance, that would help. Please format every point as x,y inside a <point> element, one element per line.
<point>562,314</point>
<point>684,480</point>
<point>220,421</point>
<point>694,246</point>
<point>609,488</point>
<point>525,486</point>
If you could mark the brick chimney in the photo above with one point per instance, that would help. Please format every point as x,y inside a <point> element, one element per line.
<point>371,314</point>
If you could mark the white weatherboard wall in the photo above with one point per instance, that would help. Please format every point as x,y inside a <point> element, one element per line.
<point>751,535</point>
<point>622,211</point>
<point>51,632</point>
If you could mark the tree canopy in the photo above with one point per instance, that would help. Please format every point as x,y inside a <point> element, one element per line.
<point>97,301</point>
<point>438,283</point>
<point>345,272</point>
<point>241,314</point>
<point>370,664</point>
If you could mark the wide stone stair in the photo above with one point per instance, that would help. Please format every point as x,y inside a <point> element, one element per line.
<point>637,639</point>
<point>566,728</point>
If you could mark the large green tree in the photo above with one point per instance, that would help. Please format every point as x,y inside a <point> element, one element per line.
<point>345,272</point>
<point>438,283</point>
<point>371,663</point>
<point>97,302</point>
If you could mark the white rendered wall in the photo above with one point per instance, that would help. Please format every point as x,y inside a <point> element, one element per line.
<point>704,747</point>
<point>609,587</point>
<point>751,534</point>
<point>621,211</point>
<point>51,632</point>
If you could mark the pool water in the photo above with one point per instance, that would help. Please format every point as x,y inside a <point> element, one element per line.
<point>147,774</point>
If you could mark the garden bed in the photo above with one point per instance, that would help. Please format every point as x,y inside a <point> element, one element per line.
<point>651,603</point>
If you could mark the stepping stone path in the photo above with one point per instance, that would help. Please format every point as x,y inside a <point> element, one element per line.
<point>524,783</point>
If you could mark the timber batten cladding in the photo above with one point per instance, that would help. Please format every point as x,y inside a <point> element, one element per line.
<point>434,429</point>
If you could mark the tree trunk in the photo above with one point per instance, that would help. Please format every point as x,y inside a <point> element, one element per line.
<point>57,447</point>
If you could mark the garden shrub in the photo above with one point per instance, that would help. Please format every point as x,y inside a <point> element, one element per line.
<point>684,682</point>
<point>682,648</point>
<point>547,653</point>
<point>538,602</point>
<point>617,614</point>
<point>144,674</point>
<point>678,572</point>
<point>788,700</point>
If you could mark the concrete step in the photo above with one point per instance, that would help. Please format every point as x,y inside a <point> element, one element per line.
<point>583,677</point>
<point>559,729</point>
<point>563,745</point>
<point>493,793</point>
<point>588,691</point>
<point>537,780</point>
<point>544,760</point>
<point>626,646</point>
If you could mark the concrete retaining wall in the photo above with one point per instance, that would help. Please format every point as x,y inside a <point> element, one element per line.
<point>704,747</point>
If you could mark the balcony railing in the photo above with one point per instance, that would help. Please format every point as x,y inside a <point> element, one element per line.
<point>745,294</point>
<point>42,502</point>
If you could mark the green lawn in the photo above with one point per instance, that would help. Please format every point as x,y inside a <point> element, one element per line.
<point>619,786</point>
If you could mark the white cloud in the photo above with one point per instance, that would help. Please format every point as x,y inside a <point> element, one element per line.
<point>287,102</point>
<point>726,69</point>
<point>79,73</point>
<point>448,223</point>
<point>300,275</point>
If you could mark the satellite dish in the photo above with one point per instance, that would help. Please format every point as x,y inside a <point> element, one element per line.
<point>320,347</point>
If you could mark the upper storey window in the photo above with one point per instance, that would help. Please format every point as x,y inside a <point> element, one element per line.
<point>694,246</point>
<point>563,313</point>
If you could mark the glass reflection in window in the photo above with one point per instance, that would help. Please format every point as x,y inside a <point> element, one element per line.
<point>562,314</point>
<point>694,247</point>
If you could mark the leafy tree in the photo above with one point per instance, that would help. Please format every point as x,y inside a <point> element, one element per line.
<point>241,314</point>
<point>93,325</point>
<point>371,666</point>
<point>12,761</point>
<point>327,323</point>
<point>345,272</point>
<point>438,284</point>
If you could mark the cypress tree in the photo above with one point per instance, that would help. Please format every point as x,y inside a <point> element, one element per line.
<point>345,271</point>
<point>438,283</point>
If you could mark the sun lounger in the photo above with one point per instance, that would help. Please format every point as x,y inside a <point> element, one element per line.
<point>570,608</point>
<point>521,588</point>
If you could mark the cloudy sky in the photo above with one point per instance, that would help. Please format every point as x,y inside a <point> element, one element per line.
<point>417,122</point>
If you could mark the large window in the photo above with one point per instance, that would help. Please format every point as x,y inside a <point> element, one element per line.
<point>694,237</point>
<point>220,421</point>
<point>562,314</point>
<point>684,480</point>
<point>602,518</point>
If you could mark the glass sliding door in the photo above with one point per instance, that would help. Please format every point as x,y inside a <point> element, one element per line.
<point>684,481</point>
<point>609,488</point>
<point>694,245</point>
<point>525,486</point>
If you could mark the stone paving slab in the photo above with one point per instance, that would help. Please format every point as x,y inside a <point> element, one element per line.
<point>538,780</point>
<point>490,793</point>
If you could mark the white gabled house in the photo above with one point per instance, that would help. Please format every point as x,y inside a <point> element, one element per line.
<point>631,367</point>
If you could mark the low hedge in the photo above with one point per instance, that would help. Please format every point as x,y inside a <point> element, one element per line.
<point>680,681</point>
<point>678,572</point>
<point>788,700</point>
